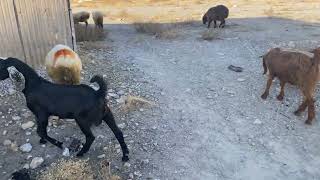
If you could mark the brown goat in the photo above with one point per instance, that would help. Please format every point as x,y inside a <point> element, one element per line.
<point>297,68</point>
<point>217,13</point>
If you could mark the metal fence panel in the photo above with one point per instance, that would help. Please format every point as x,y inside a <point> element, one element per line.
<point>41,25</point>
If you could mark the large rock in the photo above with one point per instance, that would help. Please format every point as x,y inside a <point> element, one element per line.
<point>27,125</point>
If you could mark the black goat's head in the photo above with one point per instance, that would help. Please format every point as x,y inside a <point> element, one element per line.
<point>204,19</point>
<point>4,74</point>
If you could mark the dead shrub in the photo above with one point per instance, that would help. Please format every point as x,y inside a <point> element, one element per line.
<point>161,31</point>
<point>132,103</point>
<point>210,34</point>
<point>105,172</point>
<point>90,33</point>
<point>68,170</point>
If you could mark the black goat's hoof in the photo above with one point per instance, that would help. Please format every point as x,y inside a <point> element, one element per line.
<point>59,144</point>
<point>264,96</point>
<point>43,141</point>
<point>80,154</point>
<point>125,158</point>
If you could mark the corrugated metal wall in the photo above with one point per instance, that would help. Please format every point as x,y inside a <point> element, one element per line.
<point>30,28</point>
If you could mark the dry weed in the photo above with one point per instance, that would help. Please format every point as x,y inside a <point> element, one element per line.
<point>68,170</point>
<point>161,31</point>
<point>90,33</point>
<point>132,103</point>
<point>105,172</point>
<point>210,35</point>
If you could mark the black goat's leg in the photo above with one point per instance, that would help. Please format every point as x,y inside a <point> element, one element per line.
<point>215,24</point>
<point>109,119</point>
<point>222,24</point>
<point>209,22</point>
<point>42,123</point>
<point>89,136</point>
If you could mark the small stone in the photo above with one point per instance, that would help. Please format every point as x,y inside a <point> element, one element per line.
<point>66,152</point>
<point>122,125</point>
<point>26,115</point>
<point>4,132</point>
<point>26,147</point>
<point>137,173</point>
<point>27,125</point>
<point>154,127</point>
<point>118,151</point>
<point>16,118</point>
<point>141,109</point>
<point>110,91</point>
<point>14,146</point>
<point>101,156</point>
<point>121,92</point>
<point>29,156</point>
<point>28,133</point>
<point>131,176</point>
<point>113,95</point>
<point>11,91</point>
<point>117,146</point>
<point>7,142</point>
<point>257,121</point>
<point>26,166</point>
<point>36,162</point>
<point>105,148</point>
<point>127,165</point>
<point>241,79</point>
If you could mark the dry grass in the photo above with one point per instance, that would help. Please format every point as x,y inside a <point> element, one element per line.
<point>132,103</point>
<point>77,170</point>
<point>161,31</point>
<point>90,33</point>
<point>210,34</point>
<point>69,170</point>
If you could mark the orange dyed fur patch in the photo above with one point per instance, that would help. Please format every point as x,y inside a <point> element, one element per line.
<point>62,52</point>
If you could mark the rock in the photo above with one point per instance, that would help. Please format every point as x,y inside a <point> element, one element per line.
<point>16,118</point>
<point>26,166</point>
<point>26,147</point>
<point>66,152</point>
<point>257,121</point>
<point>27,125</point>
<point>122,125</point>
<point>101,156</point>
<point>113,95</point>
<point>29,156</point>
<point>28,133</point>
<point>131,176</point>
<point>26,115</point>
<point>36,162</point>
<point>241,79</point>
<point>4,132</point>
<point>7,142</point>
<point>14,146</point>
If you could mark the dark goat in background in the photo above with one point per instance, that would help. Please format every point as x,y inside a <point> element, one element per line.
<point>217,13</point>
<point>79,102</point>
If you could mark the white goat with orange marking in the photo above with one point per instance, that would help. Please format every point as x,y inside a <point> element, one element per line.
<point>63,65</point>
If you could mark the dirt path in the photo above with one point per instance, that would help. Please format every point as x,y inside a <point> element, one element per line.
<point>213,122</point>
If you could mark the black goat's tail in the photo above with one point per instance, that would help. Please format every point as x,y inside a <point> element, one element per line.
<point>102,85</point>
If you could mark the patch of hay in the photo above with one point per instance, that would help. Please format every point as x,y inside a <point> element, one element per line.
<point>210,34</point>
<point>105,172</point>
<point>132,103</point>
<point>68,170</point>
<point>90,33</point>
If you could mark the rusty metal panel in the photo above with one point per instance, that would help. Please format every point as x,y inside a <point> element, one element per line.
<point>35,26</point>
<point>9,34</point>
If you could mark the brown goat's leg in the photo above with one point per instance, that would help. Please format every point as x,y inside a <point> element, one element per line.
<point>311,113</point>
<point>280,96</point>
<point>301,108</point>
<point>266,92</point>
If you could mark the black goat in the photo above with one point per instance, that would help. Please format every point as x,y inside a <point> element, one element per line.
<point>79,102</point>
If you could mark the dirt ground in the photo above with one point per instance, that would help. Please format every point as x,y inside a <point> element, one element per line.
<point>208,122</point>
